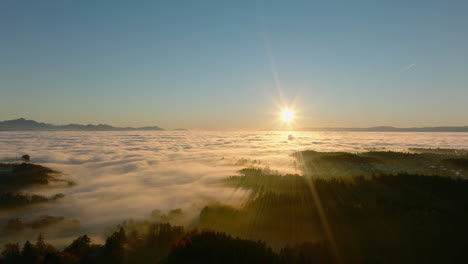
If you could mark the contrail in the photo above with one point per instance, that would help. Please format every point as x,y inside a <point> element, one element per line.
<point>408,67</point>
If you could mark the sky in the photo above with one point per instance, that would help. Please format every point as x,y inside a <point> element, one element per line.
<point>235,64</point>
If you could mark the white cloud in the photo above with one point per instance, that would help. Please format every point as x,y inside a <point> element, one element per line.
<point>123,175</point>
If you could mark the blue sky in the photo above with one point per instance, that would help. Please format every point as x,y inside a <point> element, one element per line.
<point>235,64</point>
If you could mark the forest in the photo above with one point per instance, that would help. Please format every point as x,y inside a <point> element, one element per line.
<point>373,217</point>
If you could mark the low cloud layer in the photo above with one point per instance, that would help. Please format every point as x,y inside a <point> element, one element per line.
<point>124,175</point>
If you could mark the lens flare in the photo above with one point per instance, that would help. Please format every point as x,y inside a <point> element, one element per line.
<point>287,115</point>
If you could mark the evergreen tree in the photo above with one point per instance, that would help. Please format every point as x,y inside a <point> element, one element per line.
<point>40,245</point>
<point>11,253</point>
<point>29,254</point>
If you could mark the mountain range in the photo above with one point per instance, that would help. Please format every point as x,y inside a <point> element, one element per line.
<point>22,124</point>
<point>393,129</point>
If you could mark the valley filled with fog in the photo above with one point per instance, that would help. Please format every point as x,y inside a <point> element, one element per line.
<point>126,175</point>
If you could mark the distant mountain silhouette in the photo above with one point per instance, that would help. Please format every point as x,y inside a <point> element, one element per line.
<point>22,124</point>
<point>393,129</point>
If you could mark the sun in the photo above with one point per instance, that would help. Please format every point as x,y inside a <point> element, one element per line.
<point>287,115</point>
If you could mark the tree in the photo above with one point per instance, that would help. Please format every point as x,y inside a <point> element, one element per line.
<point>11,253</point>
<point>40,245</point>
<point>26,158</point>
<point>114,249</point>
<point>80,247</point>
<point>29,254</point>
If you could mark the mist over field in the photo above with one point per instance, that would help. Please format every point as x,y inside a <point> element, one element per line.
<point>126,175</point>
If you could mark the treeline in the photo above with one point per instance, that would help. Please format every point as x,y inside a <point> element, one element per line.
<point>14,177</point>
<point>16,226</point>
<point>344,164</point>
<point>9,200</point>
<point>164,244</point>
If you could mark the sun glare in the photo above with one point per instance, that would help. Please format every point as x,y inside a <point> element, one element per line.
<point>287,115</point>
